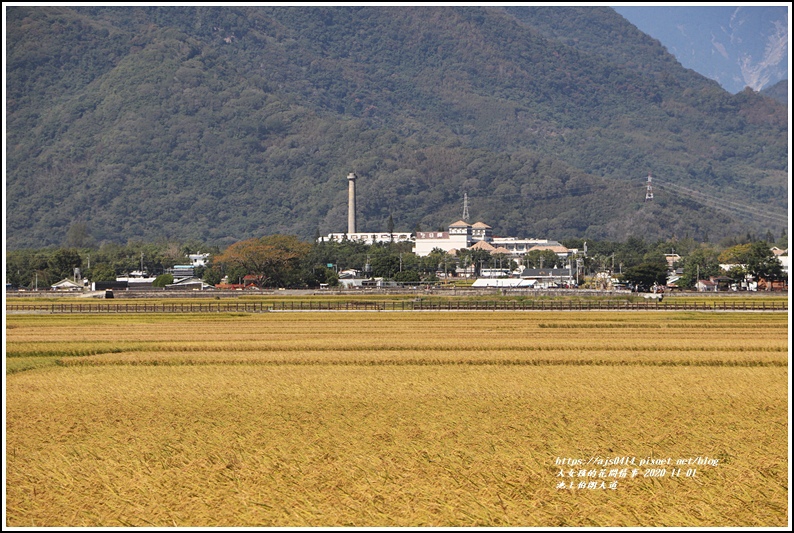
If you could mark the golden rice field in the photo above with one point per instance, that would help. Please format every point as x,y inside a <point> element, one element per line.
<point>397,419</point>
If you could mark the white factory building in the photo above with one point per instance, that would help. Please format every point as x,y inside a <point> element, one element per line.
<point>369,238</point>
<point>459,236</point>
<point>462,235</point>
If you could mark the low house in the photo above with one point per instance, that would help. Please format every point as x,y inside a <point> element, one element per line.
<point>137,280</point>
<point>181,271</point>
<point>723,282</point>
<point>512,283</point>
<point>191,283</point>
<point>549,277</point>
<point>351,278</point>
<point>706,285</point>
<point>774,285</point>
<point>109,285</point>
<point>236,286</point>
<point>67,285</point>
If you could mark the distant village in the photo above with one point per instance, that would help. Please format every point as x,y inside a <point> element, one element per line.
<point>462,235</point>
<point>492,261</point>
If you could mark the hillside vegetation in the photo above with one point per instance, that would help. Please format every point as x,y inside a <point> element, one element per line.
<point>778,91</point>
<point>222,124</point>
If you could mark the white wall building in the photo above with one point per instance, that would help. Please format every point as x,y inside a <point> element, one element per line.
<point>462,235</point>
<point>480,231</point>
<point>368,238</point>
<point>198,259</point>
<point>459,236</point>
<point>519,247</point>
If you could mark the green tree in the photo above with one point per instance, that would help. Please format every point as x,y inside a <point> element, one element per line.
<point>162,280</point>
<point>102,272</point>
<point>478,259</point>
<point>212,276</point>
<point>656,257</point>
<point>384,262</point>
<point>646,275</point>
<point>736,255</point>
<point>631,252</point>
<point>737,273</point>
<point>407,276</point>
<point>438,260</point>
<point>762,263</point>
<point>322,275</point>
<point>702,263</point>
<point>63,261</point>
<point>542,259</point>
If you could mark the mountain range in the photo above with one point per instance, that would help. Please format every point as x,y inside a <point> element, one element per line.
<point>225,123</point>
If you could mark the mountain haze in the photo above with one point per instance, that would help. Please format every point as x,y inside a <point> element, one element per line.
<point>221,124</point>
<point>738,46</point>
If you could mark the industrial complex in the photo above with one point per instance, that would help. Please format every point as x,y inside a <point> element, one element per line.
<point>460,235</point>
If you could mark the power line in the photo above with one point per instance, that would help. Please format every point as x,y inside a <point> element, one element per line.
<point>714,202</point>
<point>722,204</point>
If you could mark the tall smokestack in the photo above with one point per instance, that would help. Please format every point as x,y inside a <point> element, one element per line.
<point>351,203</point>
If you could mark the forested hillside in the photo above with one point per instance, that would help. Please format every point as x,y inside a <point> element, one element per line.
<point>221,124</point>
<point>778,91</point>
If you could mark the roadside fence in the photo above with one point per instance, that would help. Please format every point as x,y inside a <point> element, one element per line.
<point>400,305</point>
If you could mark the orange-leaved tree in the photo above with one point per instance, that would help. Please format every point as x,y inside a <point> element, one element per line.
<point>274,260</point>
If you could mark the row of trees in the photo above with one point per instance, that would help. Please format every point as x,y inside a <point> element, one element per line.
<point>31,268</point>
<point>642,265</point>
<point>287,261</point>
